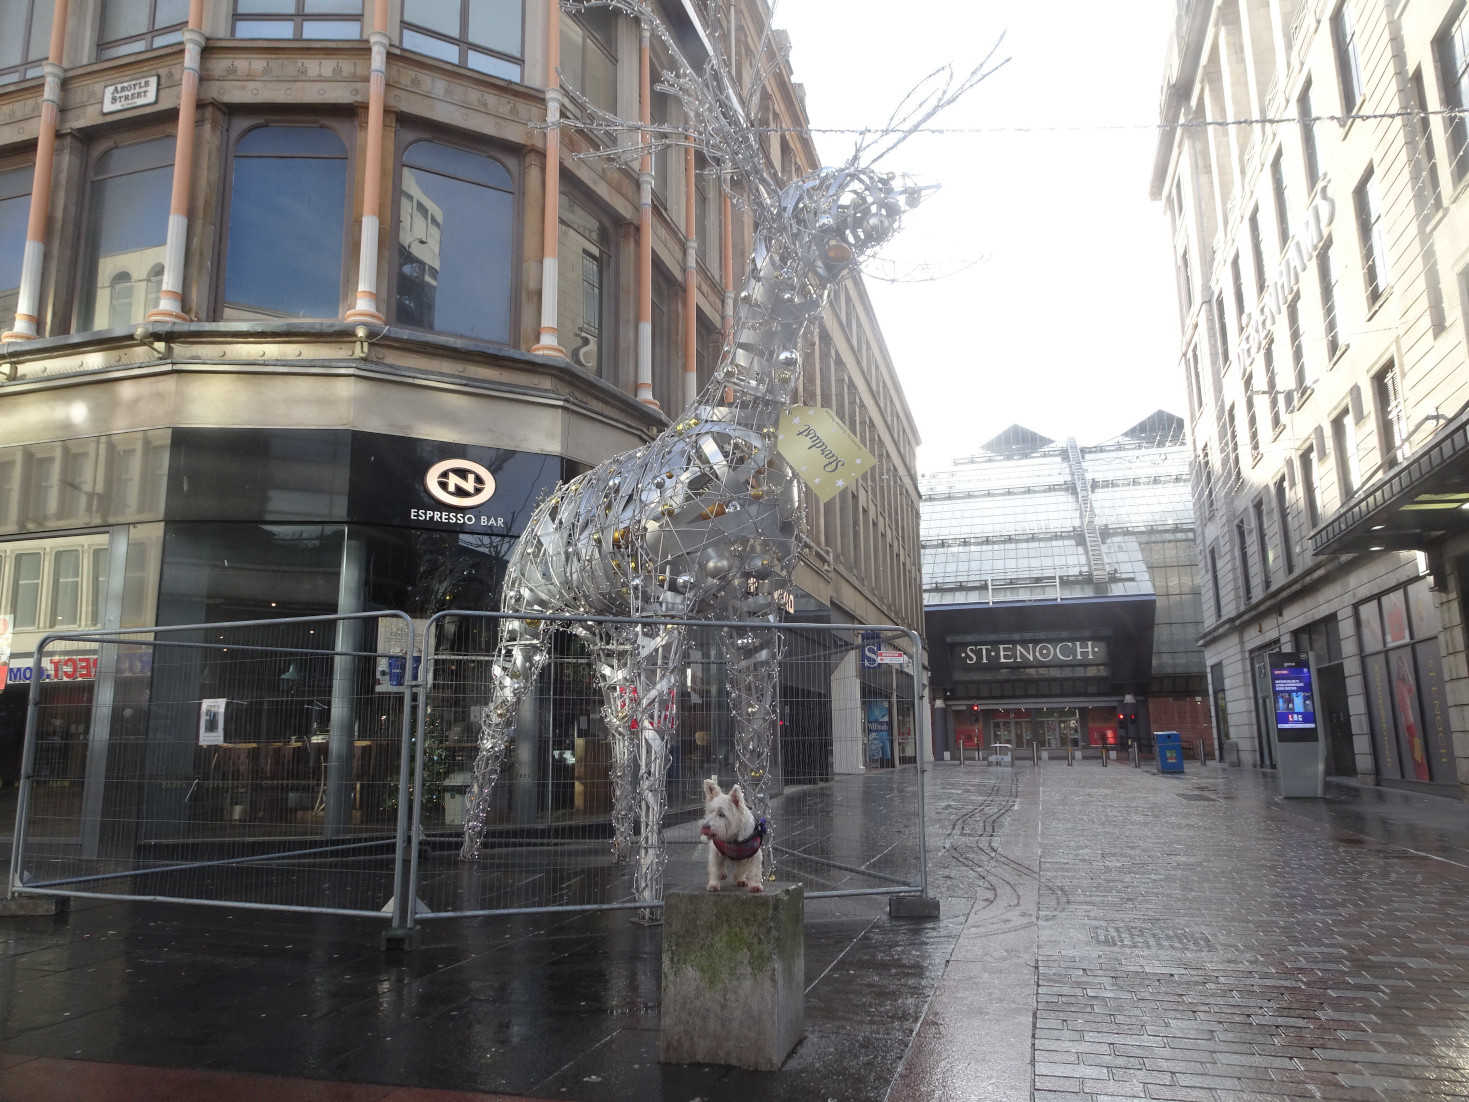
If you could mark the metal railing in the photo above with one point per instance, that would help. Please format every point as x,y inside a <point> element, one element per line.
<point>843,738</point>
<point>249,764</point>
<point>312,764</point>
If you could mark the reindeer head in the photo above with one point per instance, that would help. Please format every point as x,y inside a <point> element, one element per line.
<point>838,216</point>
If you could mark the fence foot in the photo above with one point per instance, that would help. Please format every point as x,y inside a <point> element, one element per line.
<point>913,906</point>
<point>30,906</point>
<point>402,939</point>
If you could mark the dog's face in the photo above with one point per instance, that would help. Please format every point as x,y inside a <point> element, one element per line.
<point>726,814</point>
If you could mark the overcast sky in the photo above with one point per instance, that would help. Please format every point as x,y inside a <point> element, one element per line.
<point>1046,294</point>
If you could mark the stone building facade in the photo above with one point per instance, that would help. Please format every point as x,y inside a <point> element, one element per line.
<point>1313,162</point>
<point>262,264</point>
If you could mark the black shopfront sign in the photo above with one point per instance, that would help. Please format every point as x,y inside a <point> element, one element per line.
<point>455,487</point>
<point>344,476</point>
<point>996,654</point>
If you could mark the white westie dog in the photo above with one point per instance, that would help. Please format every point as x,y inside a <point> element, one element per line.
<point>734,836</point>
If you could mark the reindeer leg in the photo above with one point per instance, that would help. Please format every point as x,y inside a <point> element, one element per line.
<point>613,653</point>
<point>660,665</point>
<point>752,664</point>
<point>518,659</point>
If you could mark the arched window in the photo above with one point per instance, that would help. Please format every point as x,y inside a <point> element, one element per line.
<point>288,211</point>
<point>119,301</point>
<point>456,213</point>
<point>127,224</point>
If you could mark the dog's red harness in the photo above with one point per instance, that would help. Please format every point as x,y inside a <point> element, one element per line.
<point>744,849</point>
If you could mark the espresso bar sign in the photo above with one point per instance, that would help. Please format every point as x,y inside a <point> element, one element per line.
<point>1031,652</point>
<point>139,92</point>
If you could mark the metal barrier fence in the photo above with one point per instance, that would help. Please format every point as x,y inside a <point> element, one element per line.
<point>845,745</point>
<point>253,764</point>
<point>311,764</point>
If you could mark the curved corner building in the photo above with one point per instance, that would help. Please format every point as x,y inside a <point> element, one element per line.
<point>265,264</point>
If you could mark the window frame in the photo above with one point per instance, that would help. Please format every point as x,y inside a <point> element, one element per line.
<point>1310,156</point>
<point>147,38</point>
<point>1455,92</point>
<point>83,231</point>
<point>607,320</point>
<point>1310,494</point>
<point>298,19</point>
<point>238,129</point>
<point>1367,207</point>
<point>28,68</point>
<point>1344,448</point>
<point>1242,545</point>
<point>1387,394</point>
<point>464,43</point>
<point>510,160</point>
<point>1262,544</point>
<point>1282,508</point>
<point>1344,51</point>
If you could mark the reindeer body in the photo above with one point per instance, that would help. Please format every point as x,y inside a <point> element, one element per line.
<point>701,523</point>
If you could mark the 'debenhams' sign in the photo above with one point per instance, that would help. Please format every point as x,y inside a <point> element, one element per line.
<point>1030,652</point>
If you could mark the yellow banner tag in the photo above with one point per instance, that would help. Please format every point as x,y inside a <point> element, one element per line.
<point>821,450</point>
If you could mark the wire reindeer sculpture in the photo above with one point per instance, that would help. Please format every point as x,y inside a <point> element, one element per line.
<point>704,521</point>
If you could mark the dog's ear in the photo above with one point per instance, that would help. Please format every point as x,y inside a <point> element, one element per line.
<point>737,796</point>
<point>711,788</point>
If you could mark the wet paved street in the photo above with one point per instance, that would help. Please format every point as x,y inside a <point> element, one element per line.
<point>1106,933</point>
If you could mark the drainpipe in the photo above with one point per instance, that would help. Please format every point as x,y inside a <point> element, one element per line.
<point>690,282</point>
<point>170,304</point>
<point>549,342</point>
<point>27,307</point>
<point>367,307</point>
<point>645,221</point>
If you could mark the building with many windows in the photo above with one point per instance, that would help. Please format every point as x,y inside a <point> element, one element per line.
<point>1061,593</point>
<point>264,264</point>
<point>1313,161</point>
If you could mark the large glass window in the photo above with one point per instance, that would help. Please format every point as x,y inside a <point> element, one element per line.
<point>1326,276</point>
<point>484,35</point>
<point>455,242</point>
<point>25,38</point>
<point>589,55</point>
<point>298,19</point>
<point>131,26</point>
<point>583,300</point>
<point>127,226</point>
<point>1392,426</point>
<point>1402,668</point>
<point>288,202</point>
<point>15,209</point>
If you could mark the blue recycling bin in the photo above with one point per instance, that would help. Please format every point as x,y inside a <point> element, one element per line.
<point>1169,745</point>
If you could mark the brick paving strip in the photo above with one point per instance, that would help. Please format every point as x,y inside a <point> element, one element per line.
<point>1222,946</point>
<point>1132,936</point>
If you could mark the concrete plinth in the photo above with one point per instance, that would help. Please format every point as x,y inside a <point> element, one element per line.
<point>734,977</point>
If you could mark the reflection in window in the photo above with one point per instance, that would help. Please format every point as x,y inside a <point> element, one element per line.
<point>131,26</point>
<point>127,227</point>
<point>589,55</point>
<point>288,206</point>
<point>484,35</point>
<point>15,208</point>
<point>101,557</point>
<point>298,19</point>
<point>66,587</point>
<point>25,590</point>
<point>25,38</point>
<point>585,272</point>
<point>455,243</point>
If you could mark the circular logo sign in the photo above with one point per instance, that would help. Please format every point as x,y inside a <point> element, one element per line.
<point>461,483</point>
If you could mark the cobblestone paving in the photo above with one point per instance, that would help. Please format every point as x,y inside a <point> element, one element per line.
<point>1200,939</point>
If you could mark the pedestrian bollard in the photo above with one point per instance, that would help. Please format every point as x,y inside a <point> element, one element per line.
<point>1200,744</point>
<point>1104,755</point>
<point>1035,755</point>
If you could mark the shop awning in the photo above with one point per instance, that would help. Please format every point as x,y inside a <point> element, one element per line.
<point>1411,507</point>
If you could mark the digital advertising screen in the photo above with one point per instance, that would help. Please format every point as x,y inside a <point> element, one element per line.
<point>1290,685</point>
